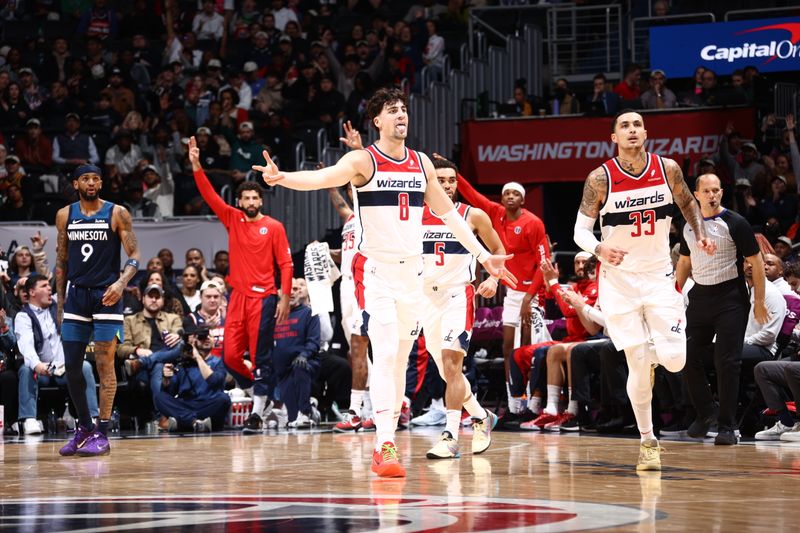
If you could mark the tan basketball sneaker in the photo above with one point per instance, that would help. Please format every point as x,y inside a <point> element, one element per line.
<point>446,448</point>
<point>649,455</point>
<point>482,432</point>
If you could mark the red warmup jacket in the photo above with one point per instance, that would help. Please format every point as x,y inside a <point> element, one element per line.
<point>575,330</point>
<point>254,247</point>
<point>524,237</point>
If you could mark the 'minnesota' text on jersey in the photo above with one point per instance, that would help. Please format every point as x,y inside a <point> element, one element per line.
<point>637,214</point>
<point>93,247</point>
<point>389,207</point>
<point>447,262</point>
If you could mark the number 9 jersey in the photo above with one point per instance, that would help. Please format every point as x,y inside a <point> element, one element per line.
<point>93,249</point>
<point>637,214</point>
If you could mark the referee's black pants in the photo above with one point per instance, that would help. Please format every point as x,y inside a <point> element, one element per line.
<point>720,310</point>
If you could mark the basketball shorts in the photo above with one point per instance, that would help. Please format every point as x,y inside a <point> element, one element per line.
<point>87,319</point>
<point>389,293</point>
<point>512,305</point>
<point>447,319</point>
<point>351,315</point>
<point>640,306</point>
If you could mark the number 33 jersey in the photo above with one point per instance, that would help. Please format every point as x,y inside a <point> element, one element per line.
<point>93,252</point>
<point>637,214</point>
<point>389,207</point>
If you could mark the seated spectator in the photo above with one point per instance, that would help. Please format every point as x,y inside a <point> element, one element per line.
<point>602,102</point>
<point>152,338</point>
<point>159,191</point>
<point>31,91</point>
<point>189,295</point>
<point>328,104</point>
<point>658,96</point>
<point>628,89</point>
<point>15,208</point>
<point>99,21</point>
<point>245,152</point>
<point>14,110</point>
<point>236,82</point>
<point>34,149</point>
<point>252,77</point>
<point>208,25</point>
<point>282,14</point>
<point>296,358</point>
<point>773,269</point>
<point>791,272</point>
<point>122,98</point>
<point>171,302</point>
<point>168,260</point>
<point>195,257</point>
<point>39,342</point>
<point>565,101</point>
<point>56,63</point>
<point>774,379</point>
<point>210,315</point>
<point>26,261</point>
<point>9,390</point>
<point>137,204</point>
<point>760,341</point>
<point>73,148</point>
<point>124,156</point>
<point>779,204</point>
<point>221,263</point>
<point>55,108</point>
<point>784,249</point>
<point>434,54</point>
<point>232,113</point>
<point>192,393</point>
<point>744,167</point>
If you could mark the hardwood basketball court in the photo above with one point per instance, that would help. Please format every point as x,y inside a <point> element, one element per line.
<point>321,481</point>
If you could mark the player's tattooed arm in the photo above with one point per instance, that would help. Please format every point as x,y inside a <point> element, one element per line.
<point>339,203</point>
<point>129,242</point>
<point>595,190</point>
<point>61,259</point>
<point>684,198</point>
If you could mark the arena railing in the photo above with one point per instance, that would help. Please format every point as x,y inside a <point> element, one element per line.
<point>785,99</point>
<point>639,33</point>
<point>745,14</point>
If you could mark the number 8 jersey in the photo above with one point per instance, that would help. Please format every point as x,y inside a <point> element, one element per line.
<point>637,214</point>
<point>389,207</point>
<point>93,251</point>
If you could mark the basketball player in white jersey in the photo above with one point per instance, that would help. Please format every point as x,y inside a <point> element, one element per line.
<point>390,183</point>
<point>450,311</point>
<point>633,196</point>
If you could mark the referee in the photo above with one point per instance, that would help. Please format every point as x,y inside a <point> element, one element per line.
<point>719,305</point>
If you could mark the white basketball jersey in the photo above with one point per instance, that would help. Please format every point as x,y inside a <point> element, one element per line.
<point>447,262</point>
<point>637,214</point>
<point>351,237</point>
<point>389,207</point>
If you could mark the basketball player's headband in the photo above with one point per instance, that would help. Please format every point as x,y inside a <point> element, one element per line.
<point>583,255</point>
<point>86,169</point>
<point>514,186</point>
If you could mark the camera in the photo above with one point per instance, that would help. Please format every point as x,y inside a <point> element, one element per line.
<point>187,353</point>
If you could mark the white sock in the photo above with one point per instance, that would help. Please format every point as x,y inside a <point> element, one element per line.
<point>437,404</point>
<point>553,396</point>
<point>572,407</point>
<point>356,399</point>
<point>474,408</point>
<point>366,407</point>
<point>453,422</point>
<point>647,435</point>
<point>259,403</point>
<point>535,404</point>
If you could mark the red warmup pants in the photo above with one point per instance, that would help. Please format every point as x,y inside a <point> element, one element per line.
<point>249,327</point>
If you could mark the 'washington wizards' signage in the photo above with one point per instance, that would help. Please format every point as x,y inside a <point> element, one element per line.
<point>771,45</point>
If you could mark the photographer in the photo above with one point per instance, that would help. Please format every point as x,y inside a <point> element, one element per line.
<point>152,338</point>
<point>193,394</point>
<point>39,342</point>
<point>8,374</point>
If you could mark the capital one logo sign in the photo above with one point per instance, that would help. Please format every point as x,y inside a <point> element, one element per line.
<point>770,50</point>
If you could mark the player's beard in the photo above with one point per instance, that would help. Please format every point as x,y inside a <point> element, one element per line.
<point>251,212</point>
<point>86,197</point>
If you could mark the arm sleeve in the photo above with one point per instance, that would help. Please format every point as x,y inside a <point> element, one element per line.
<point>474,198</point>
<point>24,333</point>
<point>537,239</point>
<point>283,256</point>
<point>214,201</point>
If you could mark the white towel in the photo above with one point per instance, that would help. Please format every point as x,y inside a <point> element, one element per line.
<point>320,272</point>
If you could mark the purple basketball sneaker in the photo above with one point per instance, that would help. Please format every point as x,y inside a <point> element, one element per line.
<point>78,440</point>
<point>96,444</point>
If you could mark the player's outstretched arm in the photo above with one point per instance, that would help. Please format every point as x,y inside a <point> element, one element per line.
<point>439,202</point>
<point>688,205</point>
<point>349,167</point>
<point>482,224</point>
<point>595,190</point>
<point>61,259</point>
<point>121,219</point>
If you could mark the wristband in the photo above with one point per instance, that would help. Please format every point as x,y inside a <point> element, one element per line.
<point>552,282</point>
<point>496,280</point>
<point>132,262</point>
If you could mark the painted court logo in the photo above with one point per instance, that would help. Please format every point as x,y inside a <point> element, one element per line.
<point>314,512</point>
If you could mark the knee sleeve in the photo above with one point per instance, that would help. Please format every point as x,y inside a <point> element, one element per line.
<point>671,352</point>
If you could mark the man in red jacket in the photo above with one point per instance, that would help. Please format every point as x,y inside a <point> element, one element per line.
<point>257,244</point>
<point>524,236</point>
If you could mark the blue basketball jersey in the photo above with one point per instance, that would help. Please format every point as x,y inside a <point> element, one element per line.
<point>93,247</point>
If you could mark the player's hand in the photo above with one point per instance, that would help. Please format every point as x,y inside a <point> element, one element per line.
<point>760,312</point>
<point>300,362</point>
<point>194,153</point>
<point>549,271</point>
<point>269,171</point>
<point>525,312</point>
<point>113,293</point>
<point>171,339</point>
<point>38,241</point>
<point>707,245</point>
<point>573,298</point>
<point>609,254</point>
<point>495,265</point>
<point>282,312</point>
<point>352,137</point>
<point>488,288</point>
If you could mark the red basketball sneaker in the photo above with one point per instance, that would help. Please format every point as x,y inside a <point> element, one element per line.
<point>351,422</point>
<point>386,462</point>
